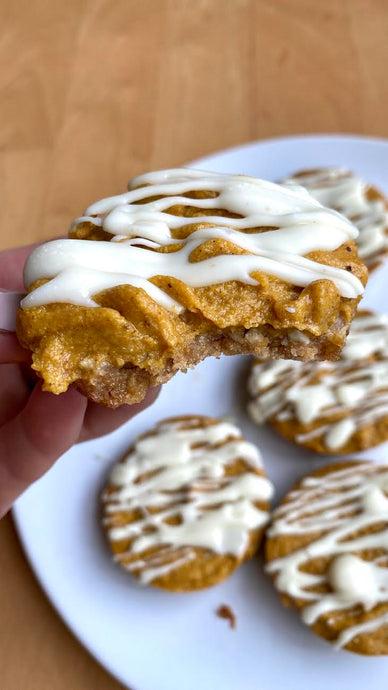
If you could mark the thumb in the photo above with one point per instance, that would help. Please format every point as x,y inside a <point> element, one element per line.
<point>29,444</point>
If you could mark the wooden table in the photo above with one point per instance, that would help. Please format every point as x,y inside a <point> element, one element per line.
<point>95,91</point>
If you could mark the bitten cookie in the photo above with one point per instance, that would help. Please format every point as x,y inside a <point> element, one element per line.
<point>359,201</point>
<point>329,407</point>
<point>186,265</point>
<point>187,504</point>
<point>327,552</point>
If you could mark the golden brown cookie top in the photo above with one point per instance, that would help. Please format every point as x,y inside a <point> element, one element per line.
<point>327,402</point>
<point>190,483</point>
<point>363,204</point>
<point>189,239</point>
<point>327,550</point>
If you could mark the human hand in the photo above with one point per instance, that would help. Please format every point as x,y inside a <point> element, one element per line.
<point>36,427</point>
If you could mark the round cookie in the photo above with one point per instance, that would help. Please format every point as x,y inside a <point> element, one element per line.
<point>187,504</point>
<point>327,553</point>
<point>329,407</point>
<point>360,202</point>
<point>187,265</point>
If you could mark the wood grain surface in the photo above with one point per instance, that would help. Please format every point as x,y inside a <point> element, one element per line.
<point>96,91</point>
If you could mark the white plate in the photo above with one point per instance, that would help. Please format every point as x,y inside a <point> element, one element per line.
<point>153,640</point>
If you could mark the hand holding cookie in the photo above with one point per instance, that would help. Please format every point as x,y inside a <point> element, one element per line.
<point>36,428</point>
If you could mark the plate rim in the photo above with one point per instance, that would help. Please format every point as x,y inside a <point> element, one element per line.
<point>279,139</point>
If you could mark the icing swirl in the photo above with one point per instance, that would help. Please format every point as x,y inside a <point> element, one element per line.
<point>347,193</point>
<point>142,227</point>
<point>181,470</point>
<point>355,388</point>
<point>343,506</point>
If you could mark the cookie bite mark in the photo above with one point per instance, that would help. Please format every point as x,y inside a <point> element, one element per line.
<point>327,553</point>
<point>223,264</point>
<point>363,204</point>
<point>329,407</point>
<point>187,504</point>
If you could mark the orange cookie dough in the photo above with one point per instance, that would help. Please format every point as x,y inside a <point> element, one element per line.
<point>187,504</point>
<point>356,199</point>
<point>327,552</point>
<point>187,265</point>
<point>329,407</point>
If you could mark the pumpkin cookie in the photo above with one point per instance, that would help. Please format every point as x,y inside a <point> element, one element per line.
<point>359,201</point>
<point>185,265</point>
<point>187,504</point>
<point>329,407</point>
<point>327,552</point>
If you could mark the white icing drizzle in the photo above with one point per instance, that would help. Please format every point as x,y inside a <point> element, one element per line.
<point>79,269</point>
<point>347,193</point>
<point>187,464</point>
<point>340,505</point>
<point>354,387</point>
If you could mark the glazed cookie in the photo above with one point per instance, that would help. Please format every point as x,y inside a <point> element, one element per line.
<point>187,504</point>
<point>185,265</point>
<point>329,407</point>
<point>359,201</point>
<point>327,552</point>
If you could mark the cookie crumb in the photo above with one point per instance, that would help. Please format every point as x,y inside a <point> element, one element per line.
<point>225,611</point>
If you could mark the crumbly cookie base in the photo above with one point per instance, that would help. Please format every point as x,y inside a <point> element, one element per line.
<point>113,386</point>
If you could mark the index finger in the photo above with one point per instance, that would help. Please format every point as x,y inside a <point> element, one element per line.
<point>10,348</point>
<point>11,267</point>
